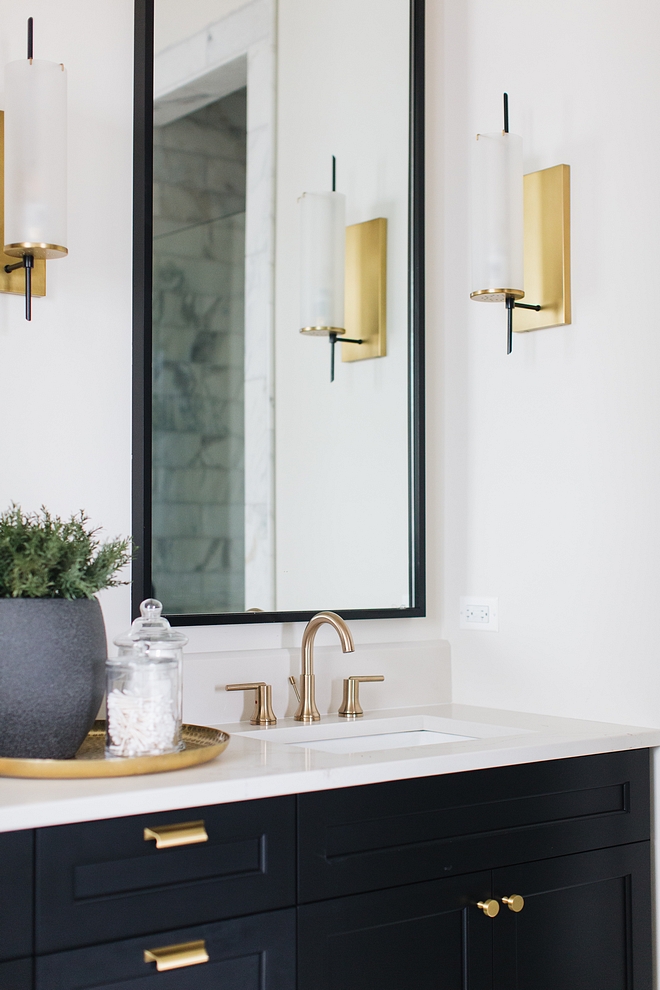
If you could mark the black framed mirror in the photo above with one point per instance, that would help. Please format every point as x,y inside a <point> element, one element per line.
<point>262,490</point>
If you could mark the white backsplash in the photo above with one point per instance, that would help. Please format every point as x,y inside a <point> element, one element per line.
<point>415,674</point>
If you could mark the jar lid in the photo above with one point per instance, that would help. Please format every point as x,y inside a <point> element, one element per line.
<point>151,627</point>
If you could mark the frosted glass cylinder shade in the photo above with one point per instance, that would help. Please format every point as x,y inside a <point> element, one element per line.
<point>497,218</point>
<point>323,253</point>
<point>35,159</point>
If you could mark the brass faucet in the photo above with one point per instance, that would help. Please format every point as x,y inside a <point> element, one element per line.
<point>307,710</point>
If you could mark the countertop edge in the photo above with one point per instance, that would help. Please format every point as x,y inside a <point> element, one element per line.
<point>178,792</point>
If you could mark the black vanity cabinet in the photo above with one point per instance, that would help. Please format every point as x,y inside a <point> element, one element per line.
<point>571,837</point>
<point>380,886</point>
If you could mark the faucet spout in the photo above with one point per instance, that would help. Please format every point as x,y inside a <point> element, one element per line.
<point>307,710</point>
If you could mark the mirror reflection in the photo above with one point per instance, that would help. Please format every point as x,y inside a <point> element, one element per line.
<point>274,487</point>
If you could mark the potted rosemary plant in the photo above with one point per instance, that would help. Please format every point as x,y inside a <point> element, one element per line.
<point>52,635</point>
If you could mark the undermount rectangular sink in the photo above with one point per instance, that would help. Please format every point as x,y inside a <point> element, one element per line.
<point>383,740</point>
<point>377,734</point>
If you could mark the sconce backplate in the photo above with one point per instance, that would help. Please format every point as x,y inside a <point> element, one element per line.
<point>547,249</point>
<point>366,290</point>
<point>15,281</point>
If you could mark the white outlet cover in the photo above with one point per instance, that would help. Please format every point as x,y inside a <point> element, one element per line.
<point>479,614</point>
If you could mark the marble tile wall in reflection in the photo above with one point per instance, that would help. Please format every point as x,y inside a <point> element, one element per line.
<point>198,378</point>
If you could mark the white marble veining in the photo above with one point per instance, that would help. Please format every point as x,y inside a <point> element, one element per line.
<point>254,766</point>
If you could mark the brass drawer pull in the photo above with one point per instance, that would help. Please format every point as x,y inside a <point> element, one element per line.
<point>514,903</point>
<point>177,956</point>
<point>182,834</point>
<point>490,907</point>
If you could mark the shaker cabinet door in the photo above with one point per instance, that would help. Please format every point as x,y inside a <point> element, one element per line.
<point>253,953</point>
<point>430,936</point>
<point>586,922</point>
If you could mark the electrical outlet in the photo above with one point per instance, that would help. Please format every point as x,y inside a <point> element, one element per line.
<point>479,614</point>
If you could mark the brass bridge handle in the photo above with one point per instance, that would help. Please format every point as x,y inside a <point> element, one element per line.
<point>350,705</point>
<point>514,903</point>
<point>181,834</point>
<point>490,907</point>
<point>177,956</point>
<point>263,701</point>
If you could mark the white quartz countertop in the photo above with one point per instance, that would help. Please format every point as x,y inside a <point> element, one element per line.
<point>270,762</point>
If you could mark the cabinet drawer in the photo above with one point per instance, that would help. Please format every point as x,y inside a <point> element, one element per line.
<point>100,881</point>
<point>16,975</point>
<point>381,835</point>
<point>254,953</point>
<point>16,852</point>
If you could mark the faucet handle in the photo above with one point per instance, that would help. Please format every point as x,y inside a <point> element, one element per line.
<point>350,705</point>
<point>263,707</point>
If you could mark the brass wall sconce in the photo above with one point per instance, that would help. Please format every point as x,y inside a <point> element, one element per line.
<point>33,172</point>
<point>520,234</point>
<point>343,277</point>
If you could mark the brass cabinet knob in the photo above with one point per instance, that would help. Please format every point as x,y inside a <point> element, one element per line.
<point>490,907</point>
<point>350,705</point>
<point>263,704</point>
<point>514,903</point>
<point>177,956</point>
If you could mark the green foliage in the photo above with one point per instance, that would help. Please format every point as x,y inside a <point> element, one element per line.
<point>43,557</point>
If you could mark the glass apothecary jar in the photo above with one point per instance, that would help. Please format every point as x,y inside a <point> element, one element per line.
<point>144,687</point>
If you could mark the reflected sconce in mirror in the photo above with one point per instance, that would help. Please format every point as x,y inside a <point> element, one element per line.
<point>34,172</point>
<point>520,234</point>
<point>343,277</point>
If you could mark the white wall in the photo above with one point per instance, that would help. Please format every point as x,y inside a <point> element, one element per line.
<point>342,447</point>
<point>65,400</point>
<point>553,454</point>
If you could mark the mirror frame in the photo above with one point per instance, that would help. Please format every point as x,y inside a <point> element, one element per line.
<point>142,338</point>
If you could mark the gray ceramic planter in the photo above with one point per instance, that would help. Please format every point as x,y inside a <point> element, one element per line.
<point>52,657</point>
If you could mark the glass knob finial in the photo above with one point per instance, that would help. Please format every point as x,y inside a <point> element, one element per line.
<point>151,608</point>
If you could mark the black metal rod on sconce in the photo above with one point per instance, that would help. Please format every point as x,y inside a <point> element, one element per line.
<point>26,262</point>
<point>333,338</point>
<point>511,303</point>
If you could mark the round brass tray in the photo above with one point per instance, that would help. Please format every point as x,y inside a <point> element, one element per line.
<point>201,744</point>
